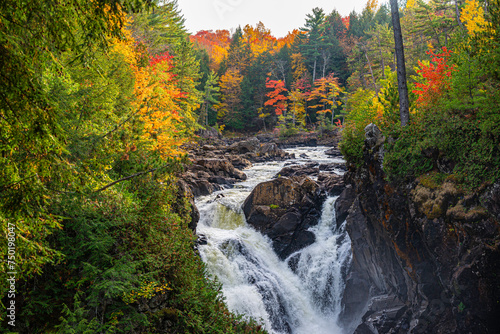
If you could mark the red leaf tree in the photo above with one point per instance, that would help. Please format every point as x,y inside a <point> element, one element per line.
<point>436,76</point>
<point>277,99</point>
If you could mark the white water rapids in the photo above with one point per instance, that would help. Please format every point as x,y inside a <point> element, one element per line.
<point>255,282</point>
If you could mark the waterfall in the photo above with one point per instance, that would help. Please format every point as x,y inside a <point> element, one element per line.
<point>299,295</point>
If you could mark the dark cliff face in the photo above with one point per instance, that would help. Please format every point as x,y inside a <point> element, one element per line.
<point>424,260</point>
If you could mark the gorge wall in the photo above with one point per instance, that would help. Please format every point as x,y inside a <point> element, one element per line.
<point>425,259</point>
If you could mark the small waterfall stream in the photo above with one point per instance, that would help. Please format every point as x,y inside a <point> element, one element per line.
<point>255,282</point>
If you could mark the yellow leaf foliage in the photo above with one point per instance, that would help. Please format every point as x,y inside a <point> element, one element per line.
<point>472,16</point>
<point>372,5</point>
<point>259,39</point>
<point>156,99</point>
<point>297,106</point>
<point>230,86</point>
<point>298,66</point>
<point>410,4</point>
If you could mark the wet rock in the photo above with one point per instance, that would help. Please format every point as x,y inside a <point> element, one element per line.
<point>335,166</point>
<point>207,175</point>
<point>310,169</point>
<point>333,152</point>
<point>202,240</point>
<point>343,203</point>
<point>270,151</point>
<point>246,146</point>
<point>332,183</point>
<point>221,167</point>
<point>239,162</point>
<point>492,200</point>
<point>209,148</point>
<point>284,209</point>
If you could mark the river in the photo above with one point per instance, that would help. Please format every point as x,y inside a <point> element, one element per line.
<point>255,282</point>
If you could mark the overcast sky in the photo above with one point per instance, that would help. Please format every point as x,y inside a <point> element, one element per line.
<point>280,16</point>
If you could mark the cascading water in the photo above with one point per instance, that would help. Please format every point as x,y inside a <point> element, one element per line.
<point>255,282</point>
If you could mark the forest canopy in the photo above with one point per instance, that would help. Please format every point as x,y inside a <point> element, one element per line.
<point>98,99</point>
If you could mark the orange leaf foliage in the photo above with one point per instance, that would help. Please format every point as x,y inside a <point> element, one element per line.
<point>156,98</point>
<point>215,43</point>
<point>259,39</point>
<point>436,76</point>
<point>276,96</point>
<point>325,91</point>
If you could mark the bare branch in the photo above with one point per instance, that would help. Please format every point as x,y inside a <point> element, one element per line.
<point>125,179</point>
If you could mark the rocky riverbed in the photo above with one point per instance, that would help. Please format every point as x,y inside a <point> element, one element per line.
<point>424,260</point>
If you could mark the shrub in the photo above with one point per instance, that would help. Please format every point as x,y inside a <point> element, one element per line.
<point>363,109</point>
<point>128,266</point>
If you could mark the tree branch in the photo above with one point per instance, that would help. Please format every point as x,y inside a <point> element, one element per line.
<point>125,179</point>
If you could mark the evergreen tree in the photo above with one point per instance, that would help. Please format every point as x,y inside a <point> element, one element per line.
<point>210,94</point>
<point>314,44</point>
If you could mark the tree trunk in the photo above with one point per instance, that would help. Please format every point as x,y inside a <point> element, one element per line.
<point>371,70</point>
<point>457,13</point>
<point>314,70</point>
<point>404,105</point>
<point>381,56</point>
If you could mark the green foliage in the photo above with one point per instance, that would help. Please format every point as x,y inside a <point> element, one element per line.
<point>361,112</point>
<point>128,265</point>
<point>470,150</point>
<point>461,129</point>
<point>408,148</point>
<point>287,127</point>
<point>325,123</point>
<point>210,98</point>
<point>103,243</point>
<point>33,141</point>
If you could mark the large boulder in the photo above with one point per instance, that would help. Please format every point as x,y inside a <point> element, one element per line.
<point>245,146</point>
<point>332,183</point>
<point>222,167</point>
<point>284,209</point>
<point>207,175</point>
<point>329,181</point>
<point>310,169</point>
<point>333,152</point>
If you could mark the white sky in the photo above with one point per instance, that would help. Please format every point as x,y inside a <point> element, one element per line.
<point>280,16</point>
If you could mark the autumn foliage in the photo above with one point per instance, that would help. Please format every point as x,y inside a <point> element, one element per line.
<point>277,98</point>
<point>435,75</point>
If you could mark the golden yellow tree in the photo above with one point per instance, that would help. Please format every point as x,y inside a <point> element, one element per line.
<point>472,16</point>
<point>230,87</point>
<point>297,106</point>
<point>157,99</point>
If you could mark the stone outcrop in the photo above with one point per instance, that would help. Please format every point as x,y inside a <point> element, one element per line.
<point>329,138</point>
<point>333,152</point>
<point>425,260</point>
<point>283,209</point>
<point>218,164</point>
<point>325,174</point>
<point>205,176</point>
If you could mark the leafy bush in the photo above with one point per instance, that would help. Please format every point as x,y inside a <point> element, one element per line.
<point>362,110</point>
<point>471,150</point>
<point>128,265</point>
